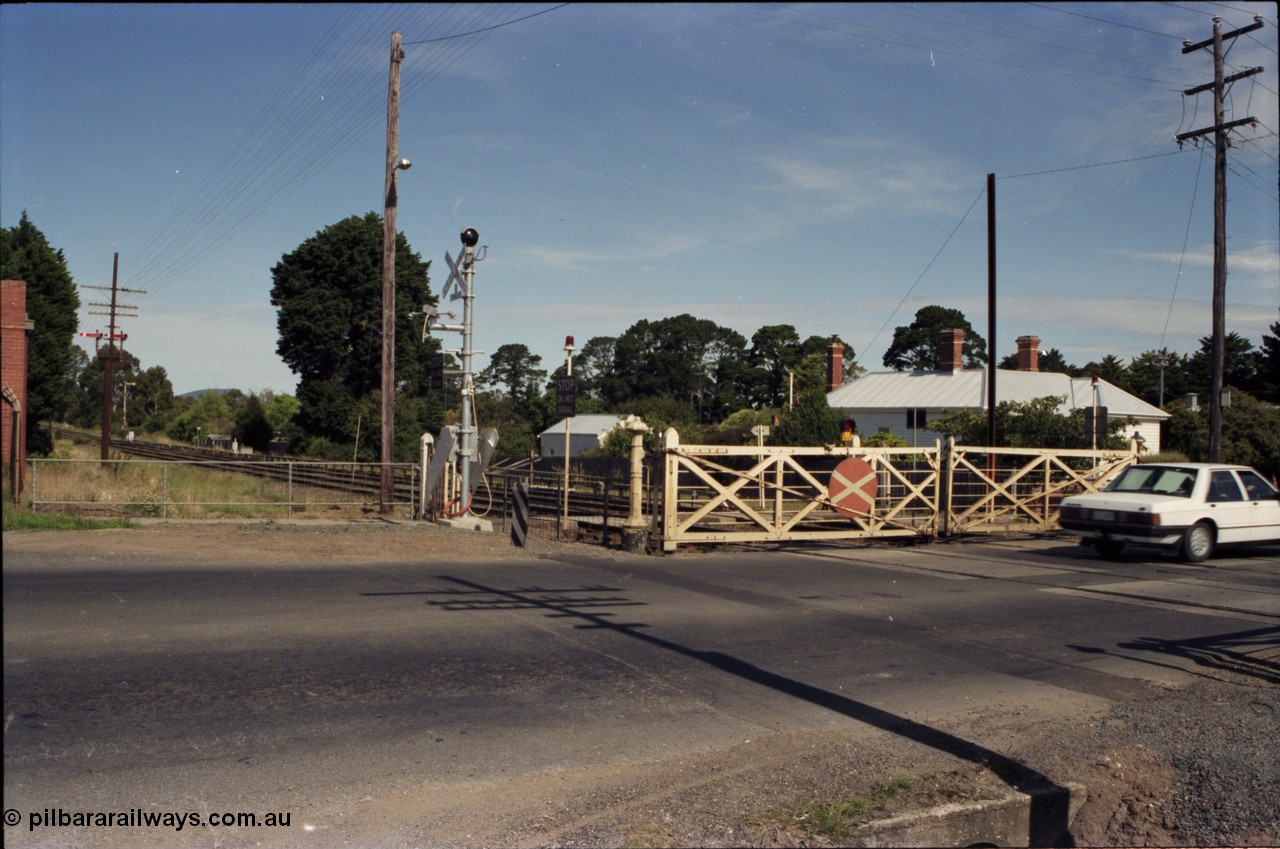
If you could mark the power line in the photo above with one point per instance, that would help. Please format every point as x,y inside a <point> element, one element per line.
<point>1186,236</point>
<point>485,29</point>
<point>1105,21</point>
<point>1022,62</point>
<point>320,111</point>
<point>1090,165</point>
<point>912,288</point>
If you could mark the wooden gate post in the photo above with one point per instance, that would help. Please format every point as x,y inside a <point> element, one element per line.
<point>946,471</point>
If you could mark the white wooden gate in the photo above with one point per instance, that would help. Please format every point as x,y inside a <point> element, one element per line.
<point>727,493</point>
<point>1019,489</point>
<point>745,494</point>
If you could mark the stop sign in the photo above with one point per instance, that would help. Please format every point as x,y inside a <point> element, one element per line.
<point>853,487</point>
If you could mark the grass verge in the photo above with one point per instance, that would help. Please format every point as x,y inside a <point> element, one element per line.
<point>16,519</point>
<point>836,821</point>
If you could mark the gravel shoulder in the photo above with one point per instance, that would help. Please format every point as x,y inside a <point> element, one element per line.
<point>1193,766</point>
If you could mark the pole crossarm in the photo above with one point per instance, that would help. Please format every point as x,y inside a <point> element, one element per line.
<point>1229,125</point>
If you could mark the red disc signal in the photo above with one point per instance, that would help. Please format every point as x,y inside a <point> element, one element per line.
<point>853,487</point>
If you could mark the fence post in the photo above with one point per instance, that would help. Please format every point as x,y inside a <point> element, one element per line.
<point>35,464</point>
<point>164,490</point>
<point>289,505</point>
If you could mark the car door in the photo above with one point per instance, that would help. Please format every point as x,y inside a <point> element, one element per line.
<point>1265,507</point>
<point>1231,513</point>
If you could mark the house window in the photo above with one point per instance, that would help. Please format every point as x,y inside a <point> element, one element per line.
<point>916,419</point>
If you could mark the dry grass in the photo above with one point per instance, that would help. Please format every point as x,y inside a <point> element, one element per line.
<point>74,480</point>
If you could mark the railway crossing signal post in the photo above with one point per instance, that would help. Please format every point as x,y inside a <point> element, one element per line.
<point>462,276</point>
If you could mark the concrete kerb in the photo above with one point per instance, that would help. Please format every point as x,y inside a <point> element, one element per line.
<point>989,822</point>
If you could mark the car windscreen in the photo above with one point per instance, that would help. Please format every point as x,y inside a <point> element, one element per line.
<point>1161,480</point>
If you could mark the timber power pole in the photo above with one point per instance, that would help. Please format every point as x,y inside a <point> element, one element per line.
<point>991,310</point>
<point>109,359</point>
<point>394,164</point>
<point>1220,144</point>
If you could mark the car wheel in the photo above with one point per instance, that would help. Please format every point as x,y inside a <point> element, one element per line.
<point>1197,544</point>
<point>1109,548</point>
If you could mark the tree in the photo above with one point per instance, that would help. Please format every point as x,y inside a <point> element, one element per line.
<point>1250,433</point>
<point>329,295</point>
<point>152,397</point>
<point>251,427</point>
<point>1269,365</point>
<point>916,346</point>
<point>516,368</point>
<point>811,422</point>
<point>1111,369</point>
<point>775,351</point>
<point>691,360</point>
<point>1240,365</point>
<point>592,364</point>
<point>1145,375</point>
<point>52,306</point>
<point>85,407</point>
<point>1033,424</point>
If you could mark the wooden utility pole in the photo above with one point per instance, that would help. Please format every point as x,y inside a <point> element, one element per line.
<point>991,311</point>
<point>108,364</point>
<point>387,488</point>
<point>1220,144</point>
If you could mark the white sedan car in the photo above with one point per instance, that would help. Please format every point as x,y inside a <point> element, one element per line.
<point>1184,508</point>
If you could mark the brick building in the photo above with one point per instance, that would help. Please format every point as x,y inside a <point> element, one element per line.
<point>13,376</point>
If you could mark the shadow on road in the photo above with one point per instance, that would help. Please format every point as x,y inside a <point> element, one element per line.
<point>1049,822</point>
<point>1240,652</point>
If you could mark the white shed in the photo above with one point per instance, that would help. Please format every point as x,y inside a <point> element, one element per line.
<point>585,432</point>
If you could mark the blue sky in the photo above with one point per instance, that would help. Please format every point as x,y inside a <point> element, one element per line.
<point>815,165</point>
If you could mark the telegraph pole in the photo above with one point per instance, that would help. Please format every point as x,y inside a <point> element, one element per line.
<point>1220,144</point>
<point>108,364</point>
<point>394,164</point>
<point>991,310</point>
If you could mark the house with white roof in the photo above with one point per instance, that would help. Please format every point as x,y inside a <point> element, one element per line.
<point>903,403</point>
<point>585,432</point>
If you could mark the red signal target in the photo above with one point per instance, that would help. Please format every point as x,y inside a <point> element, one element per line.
<point>853,487</point>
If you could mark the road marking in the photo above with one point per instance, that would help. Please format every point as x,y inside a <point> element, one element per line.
<point>1182,597</point>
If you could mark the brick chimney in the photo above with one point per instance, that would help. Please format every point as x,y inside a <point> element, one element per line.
<point>951,351</point>
<point>1028,353</point>
<point>835,364</point>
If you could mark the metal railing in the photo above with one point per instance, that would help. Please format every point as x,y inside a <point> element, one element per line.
<point>210,489</point>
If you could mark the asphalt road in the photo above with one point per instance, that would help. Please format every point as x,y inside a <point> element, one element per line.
<point>322,691</point>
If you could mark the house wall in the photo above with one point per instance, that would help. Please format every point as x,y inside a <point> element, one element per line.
<point>553,445</point>
<point>896,423</point>
<point>13,369</point>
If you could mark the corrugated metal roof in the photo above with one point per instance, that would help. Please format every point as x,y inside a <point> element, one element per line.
<point>592,424</point>
<point>967,388</point>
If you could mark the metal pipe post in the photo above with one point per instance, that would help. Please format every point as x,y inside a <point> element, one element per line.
<point>466,442</point>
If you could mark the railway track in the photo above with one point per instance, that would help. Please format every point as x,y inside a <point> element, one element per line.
<point>604,504</point>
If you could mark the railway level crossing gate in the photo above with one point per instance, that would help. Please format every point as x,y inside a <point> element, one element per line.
<point>749,494</point>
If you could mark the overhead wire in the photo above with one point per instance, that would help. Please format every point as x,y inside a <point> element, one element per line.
<point>321,110</point>
<point>920,277</point>
<point>1186,236</point>
<point>974,54</point>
